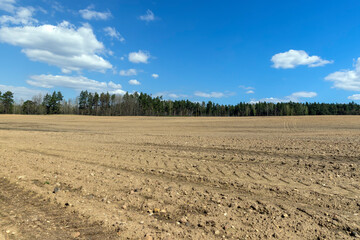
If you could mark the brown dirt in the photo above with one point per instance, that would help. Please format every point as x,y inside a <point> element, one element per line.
<point>179,178</point>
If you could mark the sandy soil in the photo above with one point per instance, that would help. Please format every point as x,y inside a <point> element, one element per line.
<point>64,177</point>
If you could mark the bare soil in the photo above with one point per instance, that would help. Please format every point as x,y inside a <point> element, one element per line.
<point>82,177</point>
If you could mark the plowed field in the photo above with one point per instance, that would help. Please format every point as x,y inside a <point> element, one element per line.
<point>82,177</point>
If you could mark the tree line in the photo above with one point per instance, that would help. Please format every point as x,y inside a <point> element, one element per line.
<point>142,104</point>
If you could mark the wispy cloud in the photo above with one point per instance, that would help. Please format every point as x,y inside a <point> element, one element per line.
<point>354,97</point>
<point>111,32</point>
<point>21,92</point>
<point>294,58</point>
<point>250,90</point>
<point>7,5</point>
<point>148,17</point>
<point>128,72</point>
<point>213,94</point>
<point>246,88</point>
<point>20,15</point>
<point>170,95</point>
<point>154,75</point>
<point>77,83</point>
<point>90,14</point>
<point>294,97</point>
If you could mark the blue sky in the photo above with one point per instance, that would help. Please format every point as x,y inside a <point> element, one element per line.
<point>223,51</point>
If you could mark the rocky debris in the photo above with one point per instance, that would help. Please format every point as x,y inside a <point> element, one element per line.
<point>75,234</point>
<point>56,189</point>
<point>148,237</point>
<point>183,220</point>
<point>254,207</point>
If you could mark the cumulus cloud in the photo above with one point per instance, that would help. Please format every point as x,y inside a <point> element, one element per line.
<point>7,5</point>
<point>63,45</point>
<point>294,97</point>
<point>294,58</point>
<point>129,72</point>
<point>354,97</point>
<point>213,94</point>
<point>134,82</point>
<point>111,32</point>
<point>346,79</point>
<point>21,92</point>
<point>89,14</point>
<point>154,75</point>
<point>77,83</point>
<point>148,17</point>
<point>139,57</point>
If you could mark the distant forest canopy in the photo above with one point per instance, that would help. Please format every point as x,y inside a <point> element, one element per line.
<point>142,104</point>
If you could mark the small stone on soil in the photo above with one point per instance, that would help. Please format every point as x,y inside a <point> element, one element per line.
<point>147,237</point>
<point>183,220</point>
<point>56,189</point>
<point>75,235</point>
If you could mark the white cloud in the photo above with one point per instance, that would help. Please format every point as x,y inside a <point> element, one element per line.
<point>213,94</point>
<point>139,57</point>
<point>56,6</point>
<point>170,95</point>
<point>293,58</point>
<point>294,97</point>
<point>154,75</point>
<point>134,82</point>
<point>148,17</point>
<point>346,79</point>
<point>63,45</point>
<point>297,95</point>
<point>209,95</point>
<point>268,100</point>
<point>22,15</point>
<point>7,5</point>
<point>354,97</point>
<point>77,83</point>
<point>114,34</point>
<point>21,92</point>
<point>89,14</point>
<point>246,88</point>
<point>129,72</point>
<point>250,90</point>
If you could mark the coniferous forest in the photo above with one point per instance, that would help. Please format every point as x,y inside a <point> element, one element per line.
<point>142,104</point>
